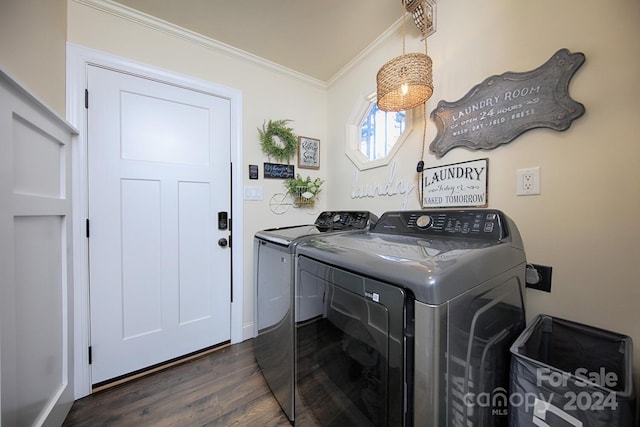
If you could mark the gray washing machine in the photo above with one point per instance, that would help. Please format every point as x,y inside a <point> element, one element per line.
<point>418,316</point>
<point>276,291</point>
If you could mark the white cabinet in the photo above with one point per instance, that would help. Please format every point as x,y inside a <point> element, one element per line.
<point>36,336</point>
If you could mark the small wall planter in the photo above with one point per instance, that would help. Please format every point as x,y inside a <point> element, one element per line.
<point>303,191</point>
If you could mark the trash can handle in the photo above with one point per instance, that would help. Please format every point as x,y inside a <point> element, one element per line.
<point>540,409</point>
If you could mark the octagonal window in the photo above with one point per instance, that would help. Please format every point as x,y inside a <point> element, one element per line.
<point>375,136</point>
<point>379,131</point>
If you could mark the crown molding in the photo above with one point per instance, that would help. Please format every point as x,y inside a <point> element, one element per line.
<point>390,32</point>
<point>149,21</point>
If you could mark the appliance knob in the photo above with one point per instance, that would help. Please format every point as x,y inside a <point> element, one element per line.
<point>336,218</point>
<point>423,221</point>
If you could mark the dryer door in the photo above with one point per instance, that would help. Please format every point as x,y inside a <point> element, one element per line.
<point>350,360</point>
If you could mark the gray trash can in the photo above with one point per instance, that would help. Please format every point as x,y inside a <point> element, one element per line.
<point>565,374</point>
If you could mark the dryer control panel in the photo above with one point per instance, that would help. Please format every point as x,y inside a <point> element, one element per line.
<point>487,224</point>
<point>343,220</point>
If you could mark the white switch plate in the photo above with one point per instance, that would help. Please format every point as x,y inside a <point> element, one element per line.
<point>253,192</point>
<point>528,181</point>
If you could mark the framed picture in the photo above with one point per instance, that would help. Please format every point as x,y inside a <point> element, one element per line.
<point>308,153</point>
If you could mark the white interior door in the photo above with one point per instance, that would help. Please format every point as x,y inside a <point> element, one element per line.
<point>159,173</point>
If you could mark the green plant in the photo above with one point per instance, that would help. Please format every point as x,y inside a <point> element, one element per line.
<point>303,190</point>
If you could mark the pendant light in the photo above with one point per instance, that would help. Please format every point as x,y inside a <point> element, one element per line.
<point>406,81</point>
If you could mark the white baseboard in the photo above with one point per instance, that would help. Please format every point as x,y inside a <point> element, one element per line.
<point>248,331</point>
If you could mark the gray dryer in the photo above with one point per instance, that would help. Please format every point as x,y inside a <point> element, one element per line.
<point>419,314</point>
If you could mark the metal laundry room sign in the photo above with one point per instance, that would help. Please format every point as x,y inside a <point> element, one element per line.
<point>501,108</point>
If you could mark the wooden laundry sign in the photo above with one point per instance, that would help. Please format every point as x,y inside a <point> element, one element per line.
<point>457,185</point>
<point>501,108</point>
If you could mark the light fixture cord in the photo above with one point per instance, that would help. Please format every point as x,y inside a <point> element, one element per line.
<point>424,133</point>
<point>425,40</point>
<point>424,139</point>
<point>404,15</point>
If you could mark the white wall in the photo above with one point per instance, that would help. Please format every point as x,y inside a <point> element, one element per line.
<point>267,94</point>
<point>585,223</point>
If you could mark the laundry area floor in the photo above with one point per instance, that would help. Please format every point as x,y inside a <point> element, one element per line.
<point>223,388</point>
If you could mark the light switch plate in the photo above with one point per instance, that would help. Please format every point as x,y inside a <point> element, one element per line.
<point>253,192</point>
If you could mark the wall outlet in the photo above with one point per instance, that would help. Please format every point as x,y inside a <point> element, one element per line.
<point>528,181</point>
<point>544,278</point>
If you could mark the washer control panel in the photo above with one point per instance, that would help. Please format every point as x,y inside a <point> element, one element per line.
<point>488,224</point>
<point>342,220</point>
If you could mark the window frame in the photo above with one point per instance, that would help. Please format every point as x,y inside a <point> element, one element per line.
<point>354,125</point>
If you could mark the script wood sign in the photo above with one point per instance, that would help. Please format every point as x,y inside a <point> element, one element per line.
<point>278,171</point>
<point>503,107</point>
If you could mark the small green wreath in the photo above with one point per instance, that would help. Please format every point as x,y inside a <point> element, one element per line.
<point>285,134</point>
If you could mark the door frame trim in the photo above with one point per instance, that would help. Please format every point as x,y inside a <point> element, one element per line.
<point>78,59</point>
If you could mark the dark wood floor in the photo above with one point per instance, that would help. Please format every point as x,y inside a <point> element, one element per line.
<point>224,388</point>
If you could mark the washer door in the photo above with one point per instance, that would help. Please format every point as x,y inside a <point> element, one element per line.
<point>350,360</point>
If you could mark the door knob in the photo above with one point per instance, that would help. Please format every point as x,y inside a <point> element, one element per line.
<point>223,242</point>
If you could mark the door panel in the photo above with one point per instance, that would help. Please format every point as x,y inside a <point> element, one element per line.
<point>159,168</point>
<point>179,134</point>
<point>141,257</point>
<point>195,231</point>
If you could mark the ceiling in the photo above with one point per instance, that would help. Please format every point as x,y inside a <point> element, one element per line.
<point>314,37</point>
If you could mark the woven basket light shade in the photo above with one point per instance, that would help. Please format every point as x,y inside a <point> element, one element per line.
<point>405,82</point>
